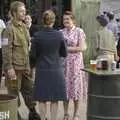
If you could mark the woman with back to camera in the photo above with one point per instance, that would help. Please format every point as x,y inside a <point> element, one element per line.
<point>75,82</point>
<point>46,49</point>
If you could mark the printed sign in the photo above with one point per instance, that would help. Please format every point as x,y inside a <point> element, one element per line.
<point>5,115</point>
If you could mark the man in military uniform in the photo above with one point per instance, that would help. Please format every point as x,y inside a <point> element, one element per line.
<point>16,53</point>
<point>2,26</point>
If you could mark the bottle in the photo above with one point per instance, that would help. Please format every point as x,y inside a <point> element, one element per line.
<point>104,64</point>
<point>113,65</point>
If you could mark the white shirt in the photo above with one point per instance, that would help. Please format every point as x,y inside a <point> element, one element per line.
<point>2,26</point>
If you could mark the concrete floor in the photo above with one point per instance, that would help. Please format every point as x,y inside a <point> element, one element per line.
<point>82,114</point>
<point>71,108</point>
<point>60,110</point>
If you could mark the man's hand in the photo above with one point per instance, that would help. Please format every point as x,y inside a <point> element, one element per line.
<point>11,74</point>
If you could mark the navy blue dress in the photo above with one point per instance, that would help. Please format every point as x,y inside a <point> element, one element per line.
<point>47,48</point>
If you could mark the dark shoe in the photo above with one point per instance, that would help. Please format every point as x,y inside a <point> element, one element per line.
<point>66,117</point>
<point>19,118</point>
<point>33,115</point>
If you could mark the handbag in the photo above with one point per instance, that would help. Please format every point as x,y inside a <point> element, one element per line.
<point>23,110</point>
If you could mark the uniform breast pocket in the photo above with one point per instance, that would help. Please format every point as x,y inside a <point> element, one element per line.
<point>17,43</point>
<point>18,59</point>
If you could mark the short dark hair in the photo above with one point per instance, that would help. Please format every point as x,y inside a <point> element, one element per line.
<point>104,12</point>
<point>69,13</point>
<point>117,19</point>
<point>110,16</point>
<point>102,20</point>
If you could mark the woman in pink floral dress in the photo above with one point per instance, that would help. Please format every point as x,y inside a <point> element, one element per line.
<point>75,84</point>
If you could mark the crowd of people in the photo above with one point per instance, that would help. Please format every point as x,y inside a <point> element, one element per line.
<point>23,49</point>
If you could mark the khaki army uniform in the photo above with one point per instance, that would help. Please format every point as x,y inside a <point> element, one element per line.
<point>2,26</point>
<point>16,55</point>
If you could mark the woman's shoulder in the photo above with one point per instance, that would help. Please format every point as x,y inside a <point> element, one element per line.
<point>78,29</point>
<point>62,30</point>
<point>58,32</point>
<point>36,36</point>
<point>38,32</point>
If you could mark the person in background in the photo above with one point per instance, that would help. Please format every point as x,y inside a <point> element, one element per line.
<point>34,27</point>
<point>118,44</point>
<point>118,25</point>
<point>105,44</point>
<point>55,10</point>
<point>105,15</point>
<point>118,52</point>
<point>2,27</point>
<point>9,18</point>
<point>28,21</point>
<point>74,76</point>
<point>112,25</point>
<point>46,49</point>
<point>16,56</point>
<point>31,24</point>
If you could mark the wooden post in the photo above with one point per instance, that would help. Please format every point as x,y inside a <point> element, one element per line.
<point>86,12</point>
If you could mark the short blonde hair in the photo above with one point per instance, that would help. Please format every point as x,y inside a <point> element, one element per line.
<point>48,17</point>
<point>15,5</point>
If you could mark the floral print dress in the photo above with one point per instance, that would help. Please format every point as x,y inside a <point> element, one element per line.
<point>75,78</point>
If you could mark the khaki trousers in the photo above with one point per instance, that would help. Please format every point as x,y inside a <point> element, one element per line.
<point>23,84</point>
